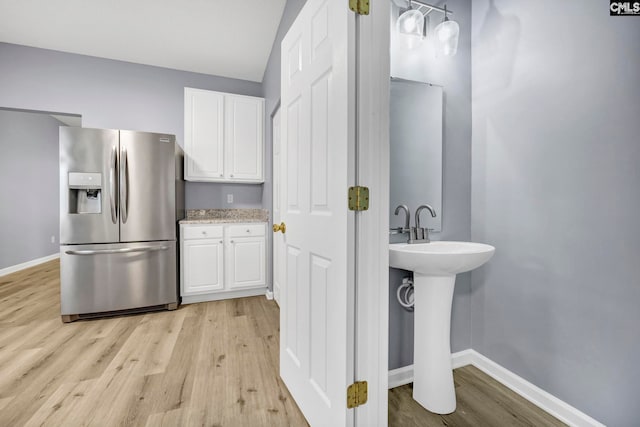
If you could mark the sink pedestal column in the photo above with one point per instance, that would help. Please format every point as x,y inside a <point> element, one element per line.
<point>432,373</point>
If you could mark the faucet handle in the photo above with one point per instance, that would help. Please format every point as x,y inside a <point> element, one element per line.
<point>396,230</point>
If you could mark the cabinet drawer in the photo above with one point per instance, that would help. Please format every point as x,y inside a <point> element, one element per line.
<point>202,232</point>
<point>247,230</point>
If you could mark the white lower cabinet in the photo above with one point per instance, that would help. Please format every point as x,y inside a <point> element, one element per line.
<point>203,262</point>
<point>222,261</point>
<point>246,262</point>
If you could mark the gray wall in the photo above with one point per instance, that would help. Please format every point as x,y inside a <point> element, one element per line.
<point>116,95</point>
<point>28,186</point>
<point>271,93</point>
<point>556,173</point>
<point>454,74</point>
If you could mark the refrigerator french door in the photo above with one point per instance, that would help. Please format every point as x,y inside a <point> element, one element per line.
<point>117,221</point>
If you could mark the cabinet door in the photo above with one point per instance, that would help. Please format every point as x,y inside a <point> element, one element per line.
<point>244,133</point>
<point>202,266</point>
<point>246,259</point>
<point>203,134</point>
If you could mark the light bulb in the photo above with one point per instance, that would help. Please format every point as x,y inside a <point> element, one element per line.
<point>446,35</point>
<point>445,32</point>
<point>410,25</point>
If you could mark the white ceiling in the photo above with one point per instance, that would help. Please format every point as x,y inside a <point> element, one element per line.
<point>227,38</point>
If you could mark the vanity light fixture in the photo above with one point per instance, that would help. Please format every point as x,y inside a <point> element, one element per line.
<point>411,25</point>
<point>447,34</point>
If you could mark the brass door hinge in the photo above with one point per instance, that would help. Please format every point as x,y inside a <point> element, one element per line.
<point>361,7</point>
<point>357,394</point>
<point>358,198</point>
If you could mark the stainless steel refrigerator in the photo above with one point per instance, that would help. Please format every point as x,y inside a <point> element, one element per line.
<point>121,195</point>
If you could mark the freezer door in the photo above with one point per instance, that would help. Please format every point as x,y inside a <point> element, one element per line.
<point>147,187</point>
<point>88,186</point>
<point>111,277</point>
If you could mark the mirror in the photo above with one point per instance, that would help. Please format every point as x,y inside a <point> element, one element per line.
<point>416,150</point>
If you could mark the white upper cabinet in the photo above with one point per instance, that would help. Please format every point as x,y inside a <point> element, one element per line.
<point>204,134</point>
<point>224,137</point>
<point>244,117</point>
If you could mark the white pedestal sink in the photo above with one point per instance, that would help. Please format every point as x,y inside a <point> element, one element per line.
<point>434,267</point>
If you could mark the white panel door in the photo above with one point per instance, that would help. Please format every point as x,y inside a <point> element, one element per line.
<point>204,134</point>
<point>246,259</point>
<point>278,239</point>
<point>318,142</point>
<point>244,134</point>
<point>203,266</point>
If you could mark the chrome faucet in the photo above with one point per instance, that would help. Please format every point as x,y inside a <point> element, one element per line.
<point>416,234</point>
<point>407,217</point>
<point>422,234</point>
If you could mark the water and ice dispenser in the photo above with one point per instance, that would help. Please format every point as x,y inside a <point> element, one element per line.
<point>85,193</point>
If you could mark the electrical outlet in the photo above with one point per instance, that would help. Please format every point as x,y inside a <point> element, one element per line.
<point>53,239</point>
<point>229,198</point>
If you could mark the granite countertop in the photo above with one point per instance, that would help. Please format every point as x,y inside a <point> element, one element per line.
<point>215,216</point>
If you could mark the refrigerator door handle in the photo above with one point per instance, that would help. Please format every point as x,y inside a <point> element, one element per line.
<point>112,184</point>
<point>118,251</point>
<point>124,184</point>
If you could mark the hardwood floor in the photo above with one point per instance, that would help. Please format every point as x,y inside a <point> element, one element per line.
<point>481,401</point>
<point>207,364</point>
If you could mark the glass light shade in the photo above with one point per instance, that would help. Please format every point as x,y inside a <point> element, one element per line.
<point>411,24</point>
<point>446,35</point>
<point>402,4</point>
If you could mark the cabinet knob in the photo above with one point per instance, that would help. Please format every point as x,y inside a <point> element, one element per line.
<point>204,232</point>
<point>221,241</point>
<point>221,174</point>
<point>231,241</point>
<point>248,231</point>
<point>231,175</point>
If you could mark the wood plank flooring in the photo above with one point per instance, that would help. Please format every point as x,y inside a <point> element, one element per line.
<point>208,364</point>
<point>481,401</point>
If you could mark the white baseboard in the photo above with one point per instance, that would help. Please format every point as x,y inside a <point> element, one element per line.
<point>28,264</point>
<point>215,296</point>
<point>276,293</point>
<point>534,394</point>
<point>401,376</point>
<point>462,358</point>
<point>268,294</point>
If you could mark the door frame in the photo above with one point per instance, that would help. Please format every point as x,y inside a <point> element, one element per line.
<point>271,267</point>
<point>372,226</point>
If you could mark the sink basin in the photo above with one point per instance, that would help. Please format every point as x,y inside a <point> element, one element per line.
<point>439,258</point>
<point>434,267</point>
